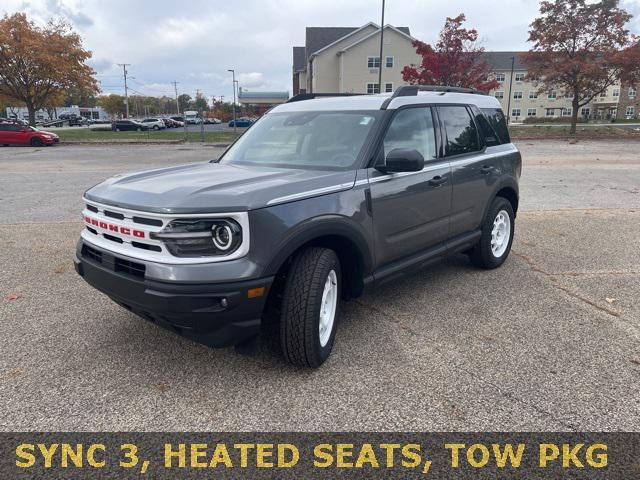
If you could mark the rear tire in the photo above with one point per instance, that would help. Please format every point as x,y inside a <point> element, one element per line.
<point>36,142</point>
<point>156,127</point>
<point>497,235</point>
<point>310,307</point>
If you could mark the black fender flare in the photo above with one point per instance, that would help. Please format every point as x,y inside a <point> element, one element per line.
<point>315,228</point>
<point>505,182</point>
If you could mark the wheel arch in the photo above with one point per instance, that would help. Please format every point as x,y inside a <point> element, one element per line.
<point>509,190</point>
<point>336,233</point>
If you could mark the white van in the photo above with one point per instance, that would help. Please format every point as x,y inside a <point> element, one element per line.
<point>191,117</point>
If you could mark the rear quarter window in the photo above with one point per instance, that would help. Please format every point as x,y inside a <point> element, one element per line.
<point>461,132</point>
<point>498,122</point>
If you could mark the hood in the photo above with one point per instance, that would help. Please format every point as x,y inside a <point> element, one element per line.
<point>44,132</point>
<point>214,187</point>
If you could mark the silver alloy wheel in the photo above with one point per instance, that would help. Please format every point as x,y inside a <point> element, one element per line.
<point>500,234</point>
<point>328,308</point>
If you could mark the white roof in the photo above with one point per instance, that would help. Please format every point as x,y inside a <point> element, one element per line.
<point>374,102</point>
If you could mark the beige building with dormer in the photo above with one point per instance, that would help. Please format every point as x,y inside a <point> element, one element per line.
<point>347,60</point>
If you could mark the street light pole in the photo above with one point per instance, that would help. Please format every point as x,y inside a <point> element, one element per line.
<point>513,61</point>
<point>233,73</point>
<point>381,43</point>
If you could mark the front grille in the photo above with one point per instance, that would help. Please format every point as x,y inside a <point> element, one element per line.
<point>91,253</point>
<point>131,234</point>
<point>130,268</point>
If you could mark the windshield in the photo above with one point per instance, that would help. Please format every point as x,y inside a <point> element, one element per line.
<point>324,140</point>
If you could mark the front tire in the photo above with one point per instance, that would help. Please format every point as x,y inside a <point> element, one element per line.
<point>497,235</point>
<point>36,142</point>
<point>310,307</point>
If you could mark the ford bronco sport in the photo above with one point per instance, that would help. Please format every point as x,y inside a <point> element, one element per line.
<point>318,201</point>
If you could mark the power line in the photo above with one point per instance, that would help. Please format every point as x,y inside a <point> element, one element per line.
<point>144,84</point>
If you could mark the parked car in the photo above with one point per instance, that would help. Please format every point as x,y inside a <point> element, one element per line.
<point>169,122</point>
<point>241,122</point>
<point>179,120</point>
<point>212,121</point>
<point>128,125</point>
<point>13,133</point>
<point>318,201</point>
<point>154,123</point>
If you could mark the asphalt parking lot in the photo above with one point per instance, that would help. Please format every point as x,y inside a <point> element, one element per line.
<point>550,341</point>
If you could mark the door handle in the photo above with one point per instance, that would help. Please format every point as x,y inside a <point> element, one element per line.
<point>486,169</point>
<point>437,181</point>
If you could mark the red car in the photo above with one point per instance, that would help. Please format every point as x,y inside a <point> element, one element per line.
<point>16,134</point>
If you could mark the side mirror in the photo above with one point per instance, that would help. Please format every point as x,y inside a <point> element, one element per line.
<point>403,160</point>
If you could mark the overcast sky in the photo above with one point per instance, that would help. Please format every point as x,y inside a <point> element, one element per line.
<point>194,42</point>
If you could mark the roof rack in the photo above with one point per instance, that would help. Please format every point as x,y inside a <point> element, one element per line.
<point>412,90</point>
<point>311,96</point>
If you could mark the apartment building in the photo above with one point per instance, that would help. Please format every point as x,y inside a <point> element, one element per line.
<point>519,95</point>
<point>347,60</point>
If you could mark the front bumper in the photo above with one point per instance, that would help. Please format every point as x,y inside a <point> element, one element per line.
<point>215,314</point>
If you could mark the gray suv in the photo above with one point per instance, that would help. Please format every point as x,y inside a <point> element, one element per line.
<point>318,201</point>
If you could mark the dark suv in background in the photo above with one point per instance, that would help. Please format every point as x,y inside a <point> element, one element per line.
<point>128,125</point>
<point>318,201</point>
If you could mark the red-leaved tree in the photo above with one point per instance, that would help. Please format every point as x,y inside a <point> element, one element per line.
<point>582,49</point>
<point>456,60</point>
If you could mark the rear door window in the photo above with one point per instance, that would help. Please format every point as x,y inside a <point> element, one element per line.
<point>460,130</point>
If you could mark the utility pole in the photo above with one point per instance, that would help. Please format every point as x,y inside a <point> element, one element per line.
<point>233,73</point>
<point>126,92</point>
<point>175,87</point>
<point>513,61</point>
<point>381,40</point>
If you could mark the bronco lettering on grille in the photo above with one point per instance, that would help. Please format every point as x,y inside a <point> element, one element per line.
<point>114,228</point>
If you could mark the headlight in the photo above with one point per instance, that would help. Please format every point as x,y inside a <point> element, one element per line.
<point>198,238</point>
